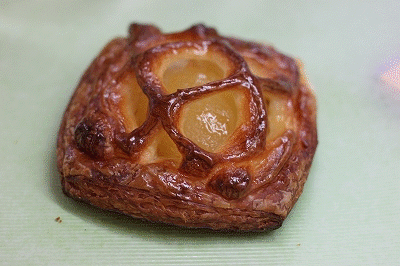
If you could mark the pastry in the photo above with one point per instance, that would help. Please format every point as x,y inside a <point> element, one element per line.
<point>189,128</point>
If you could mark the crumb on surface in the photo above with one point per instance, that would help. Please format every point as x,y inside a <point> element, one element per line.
<point>58,219</point>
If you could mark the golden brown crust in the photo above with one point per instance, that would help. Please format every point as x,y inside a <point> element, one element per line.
<point>126,143</point>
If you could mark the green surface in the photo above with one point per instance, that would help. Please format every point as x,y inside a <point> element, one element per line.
<point>349,213</point>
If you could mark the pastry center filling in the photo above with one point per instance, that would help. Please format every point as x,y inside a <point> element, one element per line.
<point>280,115</point>
<point>211,120</point>
<point>187,73</point>
<point>134,103</point>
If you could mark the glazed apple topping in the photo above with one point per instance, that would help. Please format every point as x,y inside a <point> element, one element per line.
<point>161,148</point>
<point>187,73</point>
<point>134,103</point>
<point>211,120</point>
<point>280,114</point>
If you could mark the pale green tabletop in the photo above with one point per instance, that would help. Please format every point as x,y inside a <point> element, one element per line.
<point>349,213</point>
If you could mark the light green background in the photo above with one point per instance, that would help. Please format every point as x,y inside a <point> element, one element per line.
<point>349,213</point>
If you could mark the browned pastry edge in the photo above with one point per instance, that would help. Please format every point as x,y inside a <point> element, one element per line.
<point>98,164</point>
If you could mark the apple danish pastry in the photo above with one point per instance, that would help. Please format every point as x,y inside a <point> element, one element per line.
<point>189,128</point>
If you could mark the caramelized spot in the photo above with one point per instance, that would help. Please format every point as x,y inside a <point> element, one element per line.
<point>187,73</point>
<point>90,138</point>
<point>134,103</point>
<point>195,166</point>
<point>231,184</point>
<point>211,120</point>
